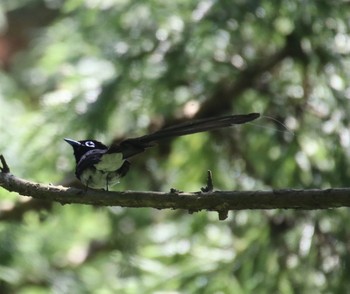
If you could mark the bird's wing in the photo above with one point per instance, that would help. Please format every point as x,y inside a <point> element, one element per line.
<point>88,160</point>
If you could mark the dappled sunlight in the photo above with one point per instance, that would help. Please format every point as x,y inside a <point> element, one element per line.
<point>109,70</point>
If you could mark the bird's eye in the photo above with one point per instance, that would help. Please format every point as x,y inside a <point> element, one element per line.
<point>89,144</point>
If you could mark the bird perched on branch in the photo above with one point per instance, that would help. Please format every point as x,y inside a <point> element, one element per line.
<point>99,166</point>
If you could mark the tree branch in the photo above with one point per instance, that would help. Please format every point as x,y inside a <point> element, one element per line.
<point>220,201</point>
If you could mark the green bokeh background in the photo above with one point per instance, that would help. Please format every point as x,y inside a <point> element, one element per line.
<point>110,69</point>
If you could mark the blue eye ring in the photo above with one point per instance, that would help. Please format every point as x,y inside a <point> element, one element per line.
<point>89,144</point>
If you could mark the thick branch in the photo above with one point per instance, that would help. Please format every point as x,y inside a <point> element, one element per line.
<point>17,211</point>
<point>220,201</point>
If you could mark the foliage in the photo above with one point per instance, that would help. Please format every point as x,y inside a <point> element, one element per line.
<point>108,69</point>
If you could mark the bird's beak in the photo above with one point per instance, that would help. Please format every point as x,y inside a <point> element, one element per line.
<point>72,142</point>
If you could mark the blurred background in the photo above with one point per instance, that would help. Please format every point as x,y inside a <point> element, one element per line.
<point>111,69</point>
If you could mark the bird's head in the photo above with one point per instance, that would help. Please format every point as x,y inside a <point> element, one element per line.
<point>81,147</point>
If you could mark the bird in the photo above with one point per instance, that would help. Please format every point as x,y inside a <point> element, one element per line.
<point>99,166</point>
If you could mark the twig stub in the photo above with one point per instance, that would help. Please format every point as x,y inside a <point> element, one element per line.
<point>210,186</point>
<point>5,168</point>
<point>223,214</point>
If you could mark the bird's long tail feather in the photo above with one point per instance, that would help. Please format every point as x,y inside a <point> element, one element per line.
<point>134,146</point>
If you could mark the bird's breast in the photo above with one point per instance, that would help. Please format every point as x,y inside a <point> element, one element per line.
<point>109,162</point>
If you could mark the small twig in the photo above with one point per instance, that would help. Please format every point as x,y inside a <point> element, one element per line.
<point>5,168</point>
<point>210,186</point>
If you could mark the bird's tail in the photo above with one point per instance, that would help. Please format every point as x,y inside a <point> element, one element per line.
<point>134,146</point>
